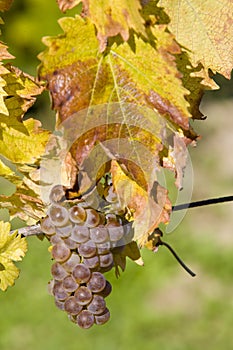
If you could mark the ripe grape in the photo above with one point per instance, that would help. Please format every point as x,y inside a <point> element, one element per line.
<point>59,292</point>
<point>91,262</point>
<point>80,234</point>
<point>115,230</point>
<point>70,264</point>
<point>47,226</point>
<point>107,290</point>
<point>92,218</point>
<point>87,249</point>
<point>60,252</point>
<point>70,243</point>
<point>77,214</point>
<point>57,194</point>
<point>60,304</point>
<point>101,319</point>
<point>58,271</point>
<point>81,273</point>
<point>106,260</point>
<point>71,306</point>
<point>103,248</point>
<point>58,215</point>
<point>97,282</point>
<point>97,305</point>
<point>99,234</point>
<point>69,284</point>
<point>83,295</point>
<point>55,239</point>
<point>65,231</point>
<point>85,319</point>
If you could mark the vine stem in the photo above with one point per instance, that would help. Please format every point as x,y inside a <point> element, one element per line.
<point>36,230</point>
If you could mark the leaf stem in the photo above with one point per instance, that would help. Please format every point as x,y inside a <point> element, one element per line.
<point>202,203</point>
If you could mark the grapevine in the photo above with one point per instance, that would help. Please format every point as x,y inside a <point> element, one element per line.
<point>125,80</point>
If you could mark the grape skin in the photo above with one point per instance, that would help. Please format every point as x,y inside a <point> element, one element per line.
<point>87,249</point>
<point>58,271</point>
<point>99,234</point>
<point>57,194</point>
<point>69,284</point>
<point>71,306</point>
<point>102,319</point>
<point>73,261</point>
<point>92,219</point>
<point>47,226</point>
<point>85,319</point>
<point>83,295</point>
<point>58,215</point>
<point>80,234</point>
<point>60,252</point>
<point>97,282</point>
<point>81,273</point>
<point>77,214</point>
<point>97,305</point>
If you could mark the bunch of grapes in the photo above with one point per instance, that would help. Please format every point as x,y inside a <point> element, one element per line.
<point>83,241</point>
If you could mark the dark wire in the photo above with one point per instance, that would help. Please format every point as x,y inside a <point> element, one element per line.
<point>202,203</point>
<point>178,258</point>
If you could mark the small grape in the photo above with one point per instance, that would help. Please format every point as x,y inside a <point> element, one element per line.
<point>107,290</point>
<point>58,215</point>
<point>58,271</point>
<point>106,260</point>
<point>47,226</point>
<point>59,292</point>
<point>69,284</point>
<point>71,306</point>
<point>87,249</point>
<point>77,214</point>
<point>70,243</point>
<point>97,305</point>
<point>60,252</point>
<point>103,248</point>
<point>60,304</point>
<point>99,234</point>
<point>83,295</point>
<point>93,218</point>
<point>65,231</point>
<point>115,230</point>
<point>57,194</point>
<point>80,234</point>
<point>97,282</point>
<point>55,239</point>
<point>73,261</point>
<point>81,273</point>
<point>101,319</point>
<point>85,319</point>
<point>91,262</point>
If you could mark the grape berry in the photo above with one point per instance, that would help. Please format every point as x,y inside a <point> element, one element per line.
<point>82,242</point>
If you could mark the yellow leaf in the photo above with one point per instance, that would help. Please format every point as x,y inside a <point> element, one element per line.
<point>205,28</point>
<point>21,148</point>
<point>146,212</point>
<point>12,248</point>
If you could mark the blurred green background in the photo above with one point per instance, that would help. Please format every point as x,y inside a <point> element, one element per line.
<point>155,306</point>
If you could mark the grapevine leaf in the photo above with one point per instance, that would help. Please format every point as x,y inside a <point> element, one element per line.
<point>24,204</point>
<point>145,211</point>
<point>131,251</point>
<point>19,91</point>
<point>111,17</point>
<point>12,248</point>
<point>21,148</point>
<point>205,29</point>
<point>104,85</point>
<point>65,5</point>
<point>5,5</point>
<point>120,75</point>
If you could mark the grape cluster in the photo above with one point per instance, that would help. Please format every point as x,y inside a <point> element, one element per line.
<point>83,241</point>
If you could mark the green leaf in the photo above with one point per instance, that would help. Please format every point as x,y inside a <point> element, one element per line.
<point>205,29</point>
<point>12,248</point>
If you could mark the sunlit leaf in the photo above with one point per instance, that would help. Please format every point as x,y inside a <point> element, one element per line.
<point>205,29</point>
<point>12,248</point>
<point>5,5</point>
